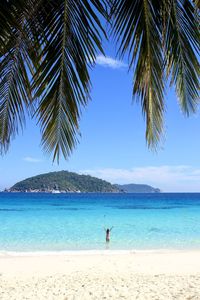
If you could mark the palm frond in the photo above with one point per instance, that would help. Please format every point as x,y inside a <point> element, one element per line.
<point>181,43</point>
<point>52,44</point>
<point>197,3</point>
<point>15,91</point>
<point>136,26</point>
<point>70,40</point>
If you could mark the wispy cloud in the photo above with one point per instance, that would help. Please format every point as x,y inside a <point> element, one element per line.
<point>110,62</point>
<point>181,178</point>
<point>32,159</point>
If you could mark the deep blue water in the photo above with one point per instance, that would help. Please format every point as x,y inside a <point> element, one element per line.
<point>54,222</point>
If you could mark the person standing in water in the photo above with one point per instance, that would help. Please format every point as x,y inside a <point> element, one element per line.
<point>108,230</point>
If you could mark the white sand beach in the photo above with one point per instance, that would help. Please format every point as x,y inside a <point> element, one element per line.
<point>101,275</point>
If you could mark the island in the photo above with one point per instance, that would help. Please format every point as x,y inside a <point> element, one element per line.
<point>71,182</point>
<point>137,188</point>
<point>64,181</point>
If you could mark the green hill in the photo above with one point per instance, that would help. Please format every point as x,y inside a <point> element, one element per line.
<point>64,181</point>
<point>137,188</point>
<point>72,182</point>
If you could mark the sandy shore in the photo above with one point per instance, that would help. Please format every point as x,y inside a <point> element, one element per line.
<point>107,275</point>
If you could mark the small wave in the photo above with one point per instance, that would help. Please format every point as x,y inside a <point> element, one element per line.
<point>86,252</point>
<point>70,208</point>
<point>155,229</point>
<point>11,209</point>
<point>146,207</point>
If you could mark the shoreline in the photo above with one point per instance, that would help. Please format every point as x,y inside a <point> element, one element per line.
<point>43,253</point>
<point>153,262</point>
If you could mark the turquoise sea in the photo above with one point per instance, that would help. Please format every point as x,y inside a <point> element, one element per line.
<point>62,222</point>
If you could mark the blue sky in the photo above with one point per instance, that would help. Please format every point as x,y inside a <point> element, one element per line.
<point>112,145</point>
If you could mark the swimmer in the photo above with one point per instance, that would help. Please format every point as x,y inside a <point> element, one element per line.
<point>108,230</point>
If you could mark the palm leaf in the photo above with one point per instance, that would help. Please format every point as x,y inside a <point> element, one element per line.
<point>197,3</point>
<point>181,43</point>
<point>70,40</point>
<point>138,31</point>
<point>15,92</point>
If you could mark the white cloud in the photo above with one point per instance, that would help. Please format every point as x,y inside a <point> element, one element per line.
<point>109,62</point>
<point>181,178</point>
<point>32,159</point>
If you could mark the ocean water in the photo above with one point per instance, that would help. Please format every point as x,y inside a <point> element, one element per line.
<point>62,222</point>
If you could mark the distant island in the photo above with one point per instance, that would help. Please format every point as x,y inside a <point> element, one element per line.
<point>137,188</point>
<point>64,181</point>
<point>70,182</point>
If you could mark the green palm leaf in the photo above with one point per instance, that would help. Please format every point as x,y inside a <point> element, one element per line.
<point>46,48</point>
<point>181,42</point>
<point>15,91</point>
<point>137,28</point>
<point>51,44</point>
<point>72,38</point>
<point>159,37</point>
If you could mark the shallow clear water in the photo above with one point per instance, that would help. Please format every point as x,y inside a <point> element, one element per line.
<point>54,222</point>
